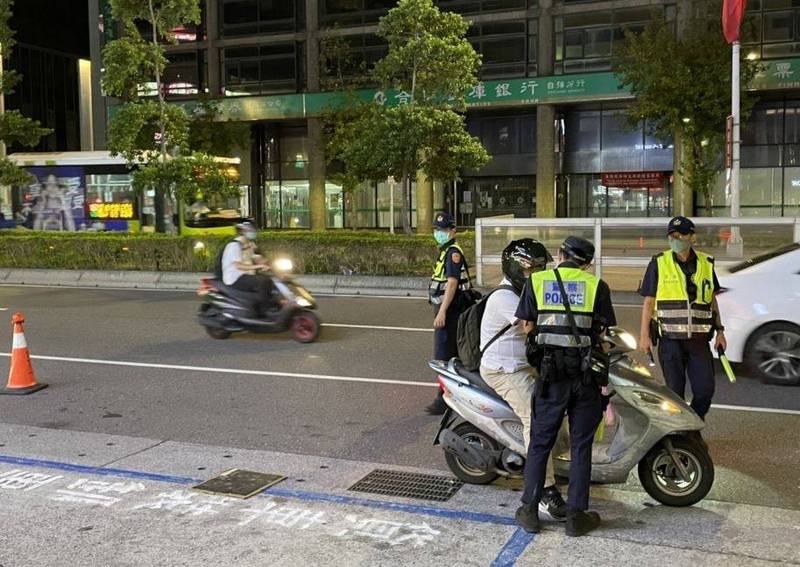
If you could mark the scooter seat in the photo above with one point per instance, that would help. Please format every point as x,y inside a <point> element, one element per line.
<point>249,297</point>
<point>475,379</point>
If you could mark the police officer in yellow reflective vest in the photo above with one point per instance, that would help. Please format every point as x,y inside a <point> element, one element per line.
<point>566,384</point>
<point>681,313</point>
<point>449,282</point>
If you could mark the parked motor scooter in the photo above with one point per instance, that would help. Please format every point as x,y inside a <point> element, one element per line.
<point>482,436</point>
<point>226,310</point>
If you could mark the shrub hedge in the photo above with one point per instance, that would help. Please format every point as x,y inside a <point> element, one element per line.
<point>331,252</point>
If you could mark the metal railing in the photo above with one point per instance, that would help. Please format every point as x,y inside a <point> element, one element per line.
<point>624,246</point>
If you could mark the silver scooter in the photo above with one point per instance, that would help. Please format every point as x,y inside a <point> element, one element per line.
<point>482,436</point>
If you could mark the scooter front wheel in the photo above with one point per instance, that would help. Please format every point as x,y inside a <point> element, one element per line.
<point>473,436</point>
<point>305,326</point>
<point>218,333</point>
<point>661,478</point>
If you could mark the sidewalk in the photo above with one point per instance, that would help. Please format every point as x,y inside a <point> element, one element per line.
<point>391,286</point>
<point>73,499</point>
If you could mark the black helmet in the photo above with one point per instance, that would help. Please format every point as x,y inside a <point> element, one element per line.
<point>521,255</point>
<point>578,249</point>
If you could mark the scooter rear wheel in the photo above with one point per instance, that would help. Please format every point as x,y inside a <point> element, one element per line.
<point>474,436</point>
<point>660,478</point>
<point>305,327</point>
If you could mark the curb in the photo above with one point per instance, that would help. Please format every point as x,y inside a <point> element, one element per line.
<point>188,281</point>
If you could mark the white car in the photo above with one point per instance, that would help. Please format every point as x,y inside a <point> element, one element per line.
<point>760,308</point>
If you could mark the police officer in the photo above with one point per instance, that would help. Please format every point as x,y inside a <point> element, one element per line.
<point>449,282</point>
<point>566,384</point>
<point>680,311</point>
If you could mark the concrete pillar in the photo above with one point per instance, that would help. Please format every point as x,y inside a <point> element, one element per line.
<point>212,55</point>
<point>424,202</point>
<point>545,161</point>
<point>545,119</point>
<point>99,102</point>
<point>316,151</point>
<point>85,104</point>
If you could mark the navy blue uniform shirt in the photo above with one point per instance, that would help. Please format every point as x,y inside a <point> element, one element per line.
<point>453,264</point>
<point>689,267</point>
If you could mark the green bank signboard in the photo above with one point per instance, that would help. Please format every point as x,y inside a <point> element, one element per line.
<point>560,89</point>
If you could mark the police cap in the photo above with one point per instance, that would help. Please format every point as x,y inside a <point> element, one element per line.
<point>444,221</point>
<point>681,225</point>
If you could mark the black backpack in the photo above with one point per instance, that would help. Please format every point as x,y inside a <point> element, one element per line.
<point>218,261</point>
<point>468,336</point>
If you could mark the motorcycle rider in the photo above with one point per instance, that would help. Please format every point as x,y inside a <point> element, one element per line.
<point>504,364</point>
<point>241,266</point>
<point>566,383</point>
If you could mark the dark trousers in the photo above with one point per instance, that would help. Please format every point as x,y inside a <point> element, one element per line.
<point>692,358</point>
<point>444,339</point>
<point>584,407</point>
<point>259,284</point>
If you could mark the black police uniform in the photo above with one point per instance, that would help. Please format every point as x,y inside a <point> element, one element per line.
<point>574,394</point>
<point>444,339</point>
<point>682,357</point>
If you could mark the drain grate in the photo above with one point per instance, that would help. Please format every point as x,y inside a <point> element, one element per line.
<point>239,483</point>
<point>408,485</point>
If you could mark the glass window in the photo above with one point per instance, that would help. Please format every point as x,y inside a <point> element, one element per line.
<point>294,204</point>
<point>791,191</point>
<point>182,75</point>
<point>792,122</point>
<point>778,26</point>
<point>598,43</point>
<point>500,136</point>
<point>627,202</point>
<point>765,126</point>
<point>360,204</point>
<point>618,134</point>
<point>582,131</point>
<point>270,68</point>
<point>249,17</point>
<point>334,206</point>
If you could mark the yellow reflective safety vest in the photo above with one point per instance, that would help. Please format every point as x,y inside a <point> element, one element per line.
<point>552,323</point>
<point>439,279</point>
<point>678,318</point>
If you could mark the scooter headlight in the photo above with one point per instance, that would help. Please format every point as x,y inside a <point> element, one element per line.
<point>303,302</point>
<point>653,401</point>
<point>283,265</point>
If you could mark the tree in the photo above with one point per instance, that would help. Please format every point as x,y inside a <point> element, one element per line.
<point>682,86</point>
<point>431,66</point>
<point>152,135</point>
<point>209,134</point>
<point>14,127</point>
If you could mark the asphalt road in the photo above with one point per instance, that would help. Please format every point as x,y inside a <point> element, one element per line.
<point>334,409</point>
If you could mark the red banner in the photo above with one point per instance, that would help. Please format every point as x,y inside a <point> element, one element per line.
<point>732,14</point>
<point>634,179</point>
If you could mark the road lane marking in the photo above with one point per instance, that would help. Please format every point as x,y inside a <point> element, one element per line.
<point>378,327</point>
<point>755,409</point>
<point>228,370</point>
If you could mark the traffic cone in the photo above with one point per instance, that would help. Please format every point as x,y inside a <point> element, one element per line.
<point>21,379</point>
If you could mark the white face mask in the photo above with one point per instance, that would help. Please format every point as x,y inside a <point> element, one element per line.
<point>250,235</point>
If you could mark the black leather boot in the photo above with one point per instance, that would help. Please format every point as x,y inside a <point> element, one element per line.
<point>581,523</point>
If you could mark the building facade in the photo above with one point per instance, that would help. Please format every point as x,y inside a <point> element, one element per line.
<point>548,109</point>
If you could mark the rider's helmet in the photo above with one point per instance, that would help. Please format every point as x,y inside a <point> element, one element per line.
<point>246,229</point>
<point>524,255</point>
<point>578,249</point>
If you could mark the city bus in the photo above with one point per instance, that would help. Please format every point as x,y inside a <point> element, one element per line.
<point>74,191</point>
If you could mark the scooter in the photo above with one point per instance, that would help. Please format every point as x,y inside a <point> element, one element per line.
<point>482,436</point>
<point>226,310</point>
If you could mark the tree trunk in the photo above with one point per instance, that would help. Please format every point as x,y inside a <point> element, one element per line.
<point>159,190</point>
<point>404,206</point>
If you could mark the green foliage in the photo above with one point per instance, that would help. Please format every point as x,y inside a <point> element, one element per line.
<point>11,175</point>
<point>368,253</point>
<point>210,135</point>
<point>339,69</point>
<point>18,129</point>
<point>682,86</point>
<point>136,128</point>
<point>429,56</point>
<point>165,15</point>
<point>432,62</point>
<point>130,62</point>
<point>186,177</point>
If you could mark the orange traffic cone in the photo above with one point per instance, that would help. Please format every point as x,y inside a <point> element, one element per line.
<point>21,379</point>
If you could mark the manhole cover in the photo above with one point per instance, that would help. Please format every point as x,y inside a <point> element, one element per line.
<point>408,485</point>
<point>238,483</point>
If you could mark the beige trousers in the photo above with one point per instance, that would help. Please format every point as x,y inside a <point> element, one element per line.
<point>516,388</point>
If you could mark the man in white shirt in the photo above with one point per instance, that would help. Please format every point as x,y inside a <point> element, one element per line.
<point>240,266</point>
<point>504,364</point>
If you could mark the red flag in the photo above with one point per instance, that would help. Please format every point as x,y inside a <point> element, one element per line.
<point>732,14</point>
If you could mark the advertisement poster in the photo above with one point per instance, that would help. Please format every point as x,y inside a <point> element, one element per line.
<point>55,199</point>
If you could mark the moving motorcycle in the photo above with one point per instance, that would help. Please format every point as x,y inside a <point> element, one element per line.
<point>226,310</point>
<point>482,436</point>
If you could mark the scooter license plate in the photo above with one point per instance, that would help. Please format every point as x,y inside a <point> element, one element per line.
<point>446,420</point>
